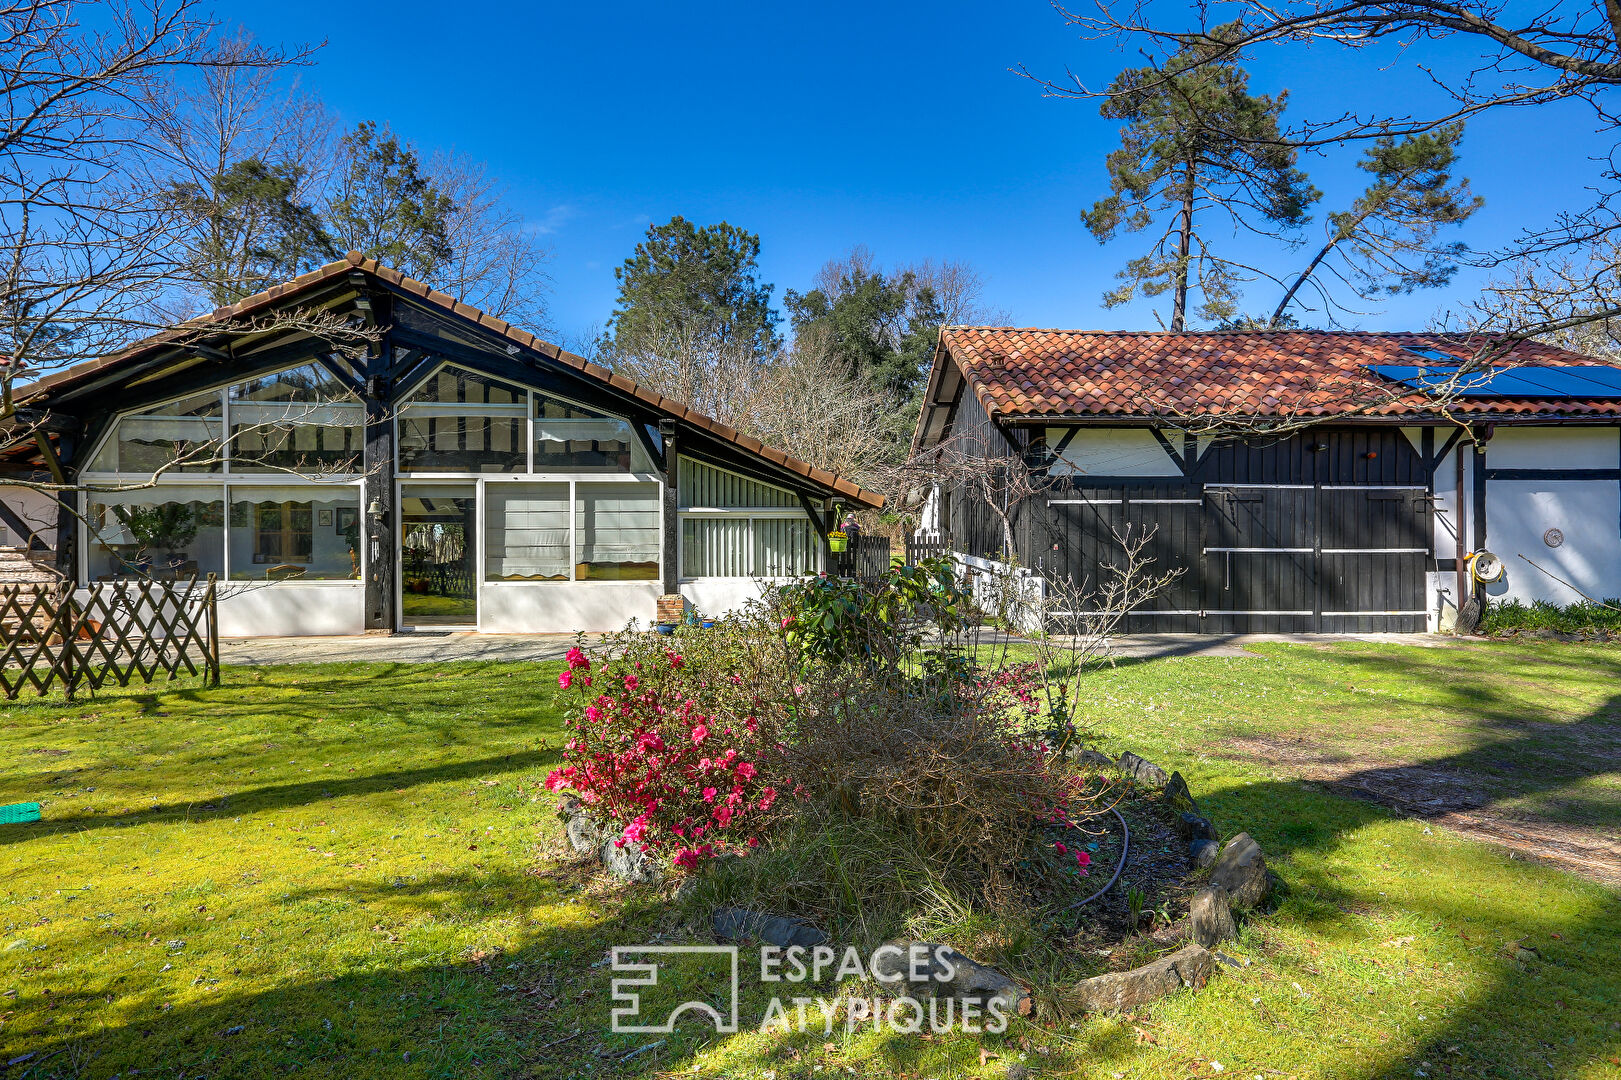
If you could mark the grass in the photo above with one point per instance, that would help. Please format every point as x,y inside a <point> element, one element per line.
<point>347,870</point>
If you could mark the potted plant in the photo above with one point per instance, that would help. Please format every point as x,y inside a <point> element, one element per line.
<point>168,527</point>
<point>838,540</point>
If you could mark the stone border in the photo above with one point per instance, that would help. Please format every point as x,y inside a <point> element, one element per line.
<point>1239,880</point>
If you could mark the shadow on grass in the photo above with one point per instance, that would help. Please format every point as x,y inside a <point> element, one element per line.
<point>278,796</point>
<point>482,1013</point>
<point>1556,1008</point>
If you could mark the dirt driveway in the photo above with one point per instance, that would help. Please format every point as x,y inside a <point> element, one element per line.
<point>1454,797</point>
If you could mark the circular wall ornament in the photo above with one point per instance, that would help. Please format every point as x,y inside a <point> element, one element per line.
<point>1553,538</point>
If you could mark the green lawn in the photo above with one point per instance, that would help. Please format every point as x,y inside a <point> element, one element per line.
<point>351,870</point>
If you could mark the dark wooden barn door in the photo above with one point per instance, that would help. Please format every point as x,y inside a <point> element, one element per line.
<point>1375,555</point>
<point>1260,559</point>
<point>1324,531</point>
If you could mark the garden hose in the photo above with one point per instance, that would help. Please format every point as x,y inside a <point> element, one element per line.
<point>1125,849</point>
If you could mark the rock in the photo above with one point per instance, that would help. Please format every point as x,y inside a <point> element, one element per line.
<point>740,924</point>
<point>1202,853</point>
<point>1210,918</point>
<point>584,835</point>
<point>629,864</point>
<point>590,838</point>
<point>1178,796</point>
<point>1142,770</point>
<point>1241,870</point>
<point>1123,991</point>
<point>1015,1071</point>
<point>970,982</point>
<point>1095,758</point>
<point>1193,827</point>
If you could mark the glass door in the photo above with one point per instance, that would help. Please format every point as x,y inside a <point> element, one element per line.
<point>438,555</point>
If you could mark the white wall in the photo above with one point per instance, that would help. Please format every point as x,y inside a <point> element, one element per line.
<point>717,596</point>
<point>1586,512</point>
<point>550,607</point>
<point>1111,452</point>
<point>292,609</point>
<point>34,507</point>
<point>1554,448</point>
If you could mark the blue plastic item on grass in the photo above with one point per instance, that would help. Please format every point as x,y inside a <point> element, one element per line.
<point>18,813</point>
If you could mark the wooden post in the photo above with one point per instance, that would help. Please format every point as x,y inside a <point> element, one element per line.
<point>210,606</point>
<point>377,489</point>
<point>670,557</point>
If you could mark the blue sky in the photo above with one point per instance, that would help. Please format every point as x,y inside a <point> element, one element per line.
<point>894,125</point>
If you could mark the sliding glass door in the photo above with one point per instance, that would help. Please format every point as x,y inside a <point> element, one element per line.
<point>438,555</point>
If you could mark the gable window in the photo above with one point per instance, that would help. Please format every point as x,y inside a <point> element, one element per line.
<point>461,421</point>
<point>177,436</point>
<point>572,438</point>
<point>301,420</point>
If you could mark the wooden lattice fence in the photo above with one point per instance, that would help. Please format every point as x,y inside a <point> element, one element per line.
<point>115,632</point>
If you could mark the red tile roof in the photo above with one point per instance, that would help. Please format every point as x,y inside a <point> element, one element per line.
<point>252,305</point>
<point>1037,373</point>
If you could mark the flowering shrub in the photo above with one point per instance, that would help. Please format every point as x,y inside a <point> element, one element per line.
<point>663,752</point>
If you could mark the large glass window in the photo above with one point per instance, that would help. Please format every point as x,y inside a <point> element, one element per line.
<point>180,436</point>
<point>526,532</point>
<point>460,421</point>
<point>302,420</point>
<point>310,532</point>
<point>616,532</point>
<point>737,546</point>
<point>167,533</point>
<point>571,438</point>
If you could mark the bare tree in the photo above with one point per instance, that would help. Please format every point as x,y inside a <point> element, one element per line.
<point>800,398</point>
<point>83,249</point>
<point>497,263</point>
<point>1573,302</point>
<point>804,401</point>
<point>244,157</point>
<point>998,479</point>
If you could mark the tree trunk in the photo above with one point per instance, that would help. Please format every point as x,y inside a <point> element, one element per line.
<point>1184,250</point>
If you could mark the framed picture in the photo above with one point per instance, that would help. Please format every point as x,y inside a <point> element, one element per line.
<point>323,519</point>
<point>348,518</point>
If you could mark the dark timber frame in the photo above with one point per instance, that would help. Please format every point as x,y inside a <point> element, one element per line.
<point>78,405</point>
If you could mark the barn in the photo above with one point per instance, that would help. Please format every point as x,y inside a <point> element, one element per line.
<point>1303,481</point>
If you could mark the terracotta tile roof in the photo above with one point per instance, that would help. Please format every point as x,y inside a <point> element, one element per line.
<point>268,299</point>
<point>1033,373</point>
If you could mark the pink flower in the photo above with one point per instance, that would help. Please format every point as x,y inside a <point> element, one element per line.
<point>676,661</point>
<point>723,815</point>
<point>709,794</point>
<point>565,678</point>
<point>686,858</point>
<point>767,797</point>
<point>745,771</point>
<point>631,682</point>
<point>557,779</point>
<point>1062,850</point>
<point>577,659</point>
<point>699,734</point>
<point>787,621</point>
<point>1083,859</point>
<point>593,713</point>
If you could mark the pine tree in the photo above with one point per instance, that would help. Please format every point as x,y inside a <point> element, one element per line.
<point>1196,145</point>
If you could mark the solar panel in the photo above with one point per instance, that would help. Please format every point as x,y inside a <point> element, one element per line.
<point>1572,382</point>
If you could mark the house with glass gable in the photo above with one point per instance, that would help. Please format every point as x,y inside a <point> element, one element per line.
<point>450,471</point>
